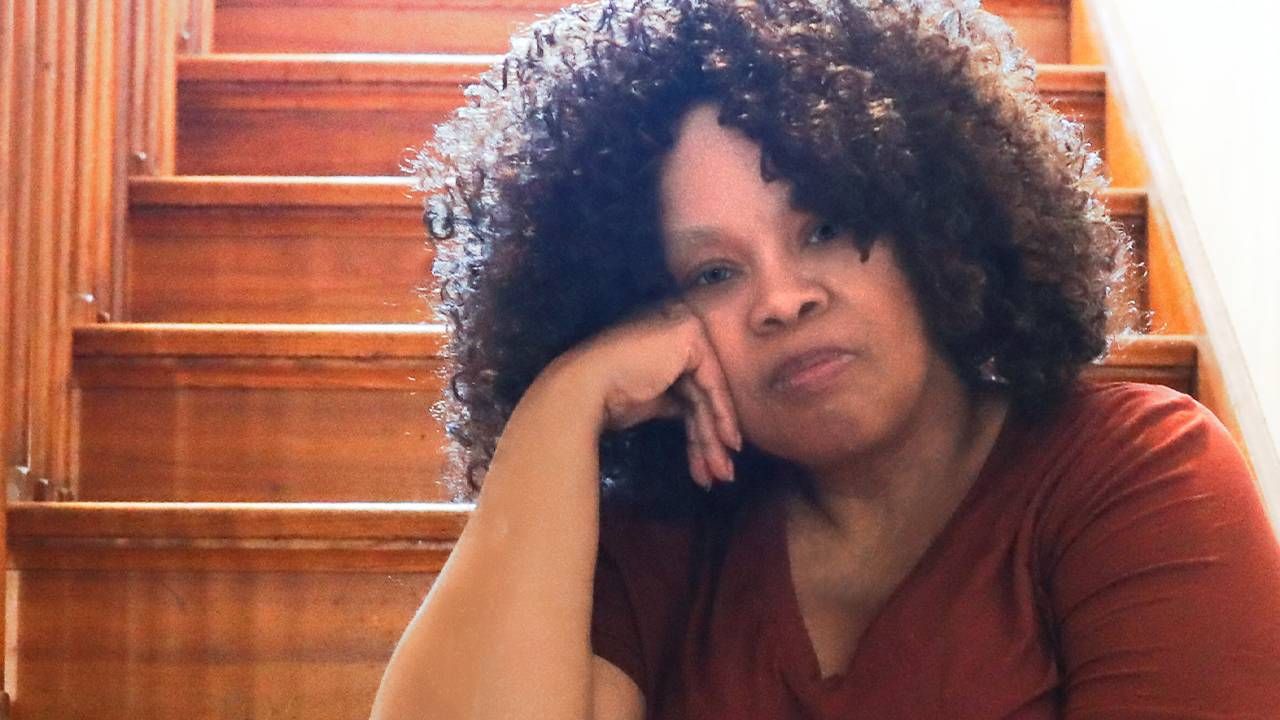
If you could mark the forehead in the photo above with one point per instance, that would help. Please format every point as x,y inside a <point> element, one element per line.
<point>712,175</point>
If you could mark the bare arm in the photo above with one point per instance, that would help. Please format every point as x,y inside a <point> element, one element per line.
<point>505,630</point>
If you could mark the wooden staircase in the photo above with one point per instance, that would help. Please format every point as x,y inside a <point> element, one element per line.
<point>256,509</point>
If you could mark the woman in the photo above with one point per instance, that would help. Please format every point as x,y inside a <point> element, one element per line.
<point>834,264</point>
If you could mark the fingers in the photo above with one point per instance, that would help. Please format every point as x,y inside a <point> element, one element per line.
<point>697,465</point>
<point>708,454</point>
<point>709,377</point>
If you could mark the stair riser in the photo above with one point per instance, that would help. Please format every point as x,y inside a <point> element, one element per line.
<point>229,128</point>
<point>279,264</point>
<point>259,444</point>
<point>203,645</point>
<point>362,127</point>
<point>203,431</point>
<point>310,265</point>
<point>427,26</point>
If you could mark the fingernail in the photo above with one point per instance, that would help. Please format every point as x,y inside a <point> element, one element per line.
<point>726,464</point>
<point>737,438</point>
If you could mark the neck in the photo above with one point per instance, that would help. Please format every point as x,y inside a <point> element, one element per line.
<point>922,475</point>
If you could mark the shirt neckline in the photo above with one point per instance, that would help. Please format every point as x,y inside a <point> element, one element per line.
<point>800,660</point>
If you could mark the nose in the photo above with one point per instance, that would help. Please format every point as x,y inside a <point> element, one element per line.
<point>784,297</point>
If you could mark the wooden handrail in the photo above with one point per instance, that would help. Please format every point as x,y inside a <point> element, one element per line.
<point>63,123</point>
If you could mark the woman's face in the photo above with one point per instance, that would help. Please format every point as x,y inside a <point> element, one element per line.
<point>771,283</point>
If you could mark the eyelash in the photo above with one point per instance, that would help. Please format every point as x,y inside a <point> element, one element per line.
<point>835,232</point>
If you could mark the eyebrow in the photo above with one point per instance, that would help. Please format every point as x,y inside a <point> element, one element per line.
<point>691,237</point>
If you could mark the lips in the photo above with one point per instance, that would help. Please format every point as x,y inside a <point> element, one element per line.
<point>792,370</point>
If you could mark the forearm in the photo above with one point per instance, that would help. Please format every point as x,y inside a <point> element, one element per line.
<point>505,629</point>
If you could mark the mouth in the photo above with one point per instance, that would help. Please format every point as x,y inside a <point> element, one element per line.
<point>810,370</point>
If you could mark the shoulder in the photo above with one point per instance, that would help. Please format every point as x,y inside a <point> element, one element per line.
<point>1152,527</point>
<point>1111,423</point>
<point>1115,405</point>
<point>1127,456</point>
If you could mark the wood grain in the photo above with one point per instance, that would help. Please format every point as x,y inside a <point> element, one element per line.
<point>312,250</point>
<point>364,115</point>
<point>206,645</point>
<point>483,26</point>
<point>236,250</point>
<point>180,413</point>
<point>313,115</point>
<point>9,270</point>
<point>275,413</point>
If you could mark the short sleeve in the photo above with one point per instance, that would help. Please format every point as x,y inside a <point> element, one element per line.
<point>1163,569</point>
<point>615,627</point>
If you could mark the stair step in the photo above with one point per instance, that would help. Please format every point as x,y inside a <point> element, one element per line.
<point>282,250</point>
<point>174,412</point>
<point>215,249</point>
<point>258,412</point>
<point>358,114</point>
<point>206,612</point>
<point>313,114</point>
<point>482,26</point>
<point>301,537</point>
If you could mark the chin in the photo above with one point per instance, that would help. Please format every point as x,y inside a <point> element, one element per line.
<point>815,448</point>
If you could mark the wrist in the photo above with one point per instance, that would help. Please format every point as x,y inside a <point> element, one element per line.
<point>571,388</point>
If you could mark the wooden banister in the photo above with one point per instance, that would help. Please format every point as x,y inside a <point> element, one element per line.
<point>195,26</point>
<point>78,79</point>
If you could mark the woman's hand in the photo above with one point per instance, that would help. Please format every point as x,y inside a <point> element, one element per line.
<point>660,364</point>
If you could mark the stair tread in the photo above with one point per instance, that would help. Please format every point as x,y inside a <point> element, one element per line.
<point>399,340</point>
<point>272,190</point>
<point>244,340</point>
<point>448,67</point>
<point>362,190</point>
<point>436,4</point>
<point>334,67</point>
<point>232,520</point>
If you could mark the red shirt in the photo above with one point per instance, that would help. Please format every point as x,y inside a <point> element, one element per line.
<point>1112,561</point>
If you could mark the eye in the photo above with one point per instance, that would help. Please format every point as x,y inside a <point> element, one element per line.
<point>825,232</point>
<point>711,275</point>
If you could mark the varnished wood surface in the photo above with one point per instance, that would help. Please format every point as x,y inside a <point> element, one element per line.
<point>480,26</point>
<point>61,66</point>
<point>214,191</point>
<point>165,420</point>
<point>152,27</point>
<point>239,521</point>
<point>215,249</point>
<point>322,250</point>
<point>195,26</point>
<point>365,115</point>
<point>60,107</point>
<point>223,412</point>
<point>293,250</point>
<point>99,644</point>
<point>267,444</point>
<point>313,115</point>
<point>375,342</point>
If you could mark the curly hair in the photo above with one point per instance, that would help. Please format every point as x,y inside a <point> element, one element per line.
<point>915,120</point>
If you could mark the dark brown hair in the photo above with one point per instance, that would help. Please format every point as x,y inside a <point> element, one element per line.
<point>914,119</point>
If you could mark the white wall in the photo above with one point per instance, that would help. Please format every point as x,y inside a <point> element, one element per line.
<point>1212,76</point>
